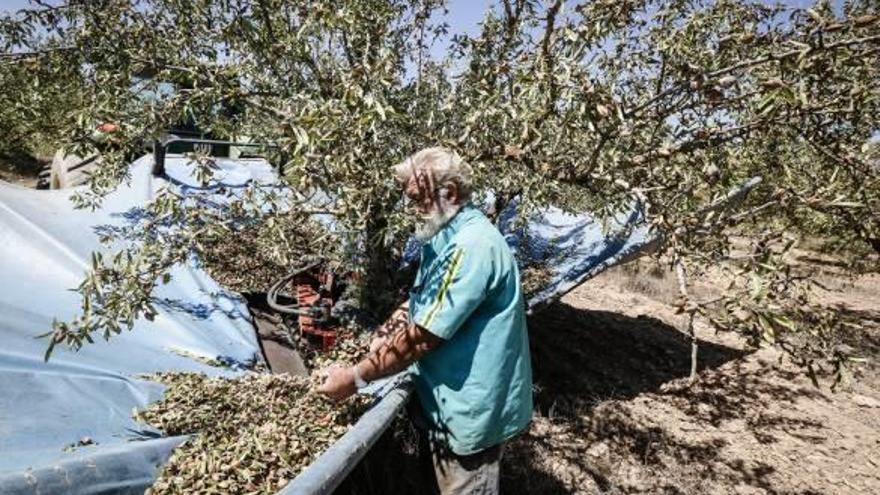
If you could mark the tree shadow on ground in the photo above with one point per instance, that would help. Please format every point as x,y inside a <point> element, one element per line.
<point>587,367</point>
<point>581,357</point>
<point>22,168</point>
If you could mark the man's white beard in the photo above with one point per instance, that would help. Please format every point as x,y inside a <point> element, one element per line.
<point>435,220</point>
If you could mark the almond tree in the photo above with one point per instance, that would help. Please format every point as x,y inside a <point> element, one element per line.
<point>590,105</point>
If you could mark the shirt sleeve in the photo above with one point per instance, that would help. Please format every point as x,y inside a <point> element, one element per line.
<point>457,289</point>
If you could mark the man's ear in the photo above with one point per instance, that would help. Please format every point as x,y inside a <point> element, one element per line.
<point>452,193</point>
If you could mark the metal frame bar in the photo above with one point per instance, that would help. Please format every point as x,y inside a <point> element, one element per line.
<point>160,148</point>
<point>83,163</point>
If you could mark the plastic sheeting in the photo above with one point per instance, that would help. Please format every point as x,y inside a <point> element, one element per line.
<point>574,248</point>
<point>44,407</point>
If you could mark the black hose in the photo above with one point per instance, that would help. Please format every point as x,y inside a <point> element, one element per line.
<point>272,294</point>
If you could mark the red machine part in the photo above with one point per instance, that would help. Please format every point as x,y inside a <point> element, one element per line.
<point>314,293</point>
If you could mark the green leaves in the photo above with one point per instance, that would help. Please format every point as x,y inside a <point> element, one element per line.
<point>667,103</point>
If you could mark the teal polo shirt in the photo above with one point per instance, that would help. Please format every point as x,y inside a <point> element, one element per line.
<point>476,387</point>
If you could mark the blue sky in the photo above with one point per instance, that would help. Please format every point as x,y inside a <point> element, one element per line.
<point>466,12</point>
<point>464,15</point>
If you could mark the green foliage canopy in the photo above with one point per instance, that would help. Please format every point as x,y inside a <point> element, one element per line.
<point>583,104</point>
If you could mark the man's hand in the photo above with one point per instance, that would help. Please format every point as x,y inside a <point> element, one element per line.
<point>339,383</point>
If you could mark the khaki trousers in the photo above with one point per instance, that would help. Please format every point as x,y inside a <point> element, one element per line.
<point>477,473</point>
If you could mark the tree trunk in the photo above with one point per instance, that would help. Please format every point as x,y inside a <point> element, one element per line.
<point>379,286</point>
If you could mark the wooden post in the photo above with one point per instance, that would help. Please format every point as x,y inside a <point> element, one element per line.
<point>681,274</point>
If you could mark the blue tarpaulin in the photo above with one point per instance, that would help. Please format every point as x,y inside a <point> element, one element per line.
<point>45,245</point>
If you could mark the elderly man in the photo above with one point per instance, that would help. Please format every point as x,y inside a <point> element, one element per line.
<point>463,331</point>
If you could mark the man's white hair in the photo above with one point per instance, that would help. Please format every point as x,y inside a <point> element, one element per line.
<point>445,167</point>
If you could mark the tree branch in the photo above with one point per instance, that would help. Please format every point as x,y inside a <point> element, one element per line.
<point>751,63</point>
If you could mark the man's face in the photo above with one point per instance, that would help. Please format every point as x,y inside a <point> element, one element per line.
<point>434,206</point>
<point>419,188</point>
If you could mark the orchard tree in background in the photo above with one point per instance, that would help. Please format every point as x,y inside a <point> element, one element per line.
<point>589,105</point>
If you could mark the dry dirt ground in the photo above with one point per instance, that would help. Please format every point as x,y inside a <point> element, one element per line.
<point>614,414</point>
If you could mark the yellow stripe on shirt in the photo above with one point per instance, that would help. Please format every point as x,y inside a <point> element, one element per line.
<point>447,281</point>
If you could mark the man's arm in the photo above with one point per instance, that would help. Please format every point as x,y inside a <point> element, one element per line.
<point>398,320</point>
<point>406,344</point>
<point>403,348</point>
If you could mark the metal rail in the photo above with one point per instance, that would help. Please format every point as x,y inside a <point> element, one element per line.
<point>160,148</point>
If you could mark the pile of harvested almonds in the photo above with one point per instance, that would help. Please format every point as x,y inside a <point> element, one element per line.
<point>253,434</point>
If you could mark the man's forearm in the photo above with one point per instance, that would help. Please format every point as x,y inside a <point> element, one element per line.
<point>398,320</point>
<point>406,345</point>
